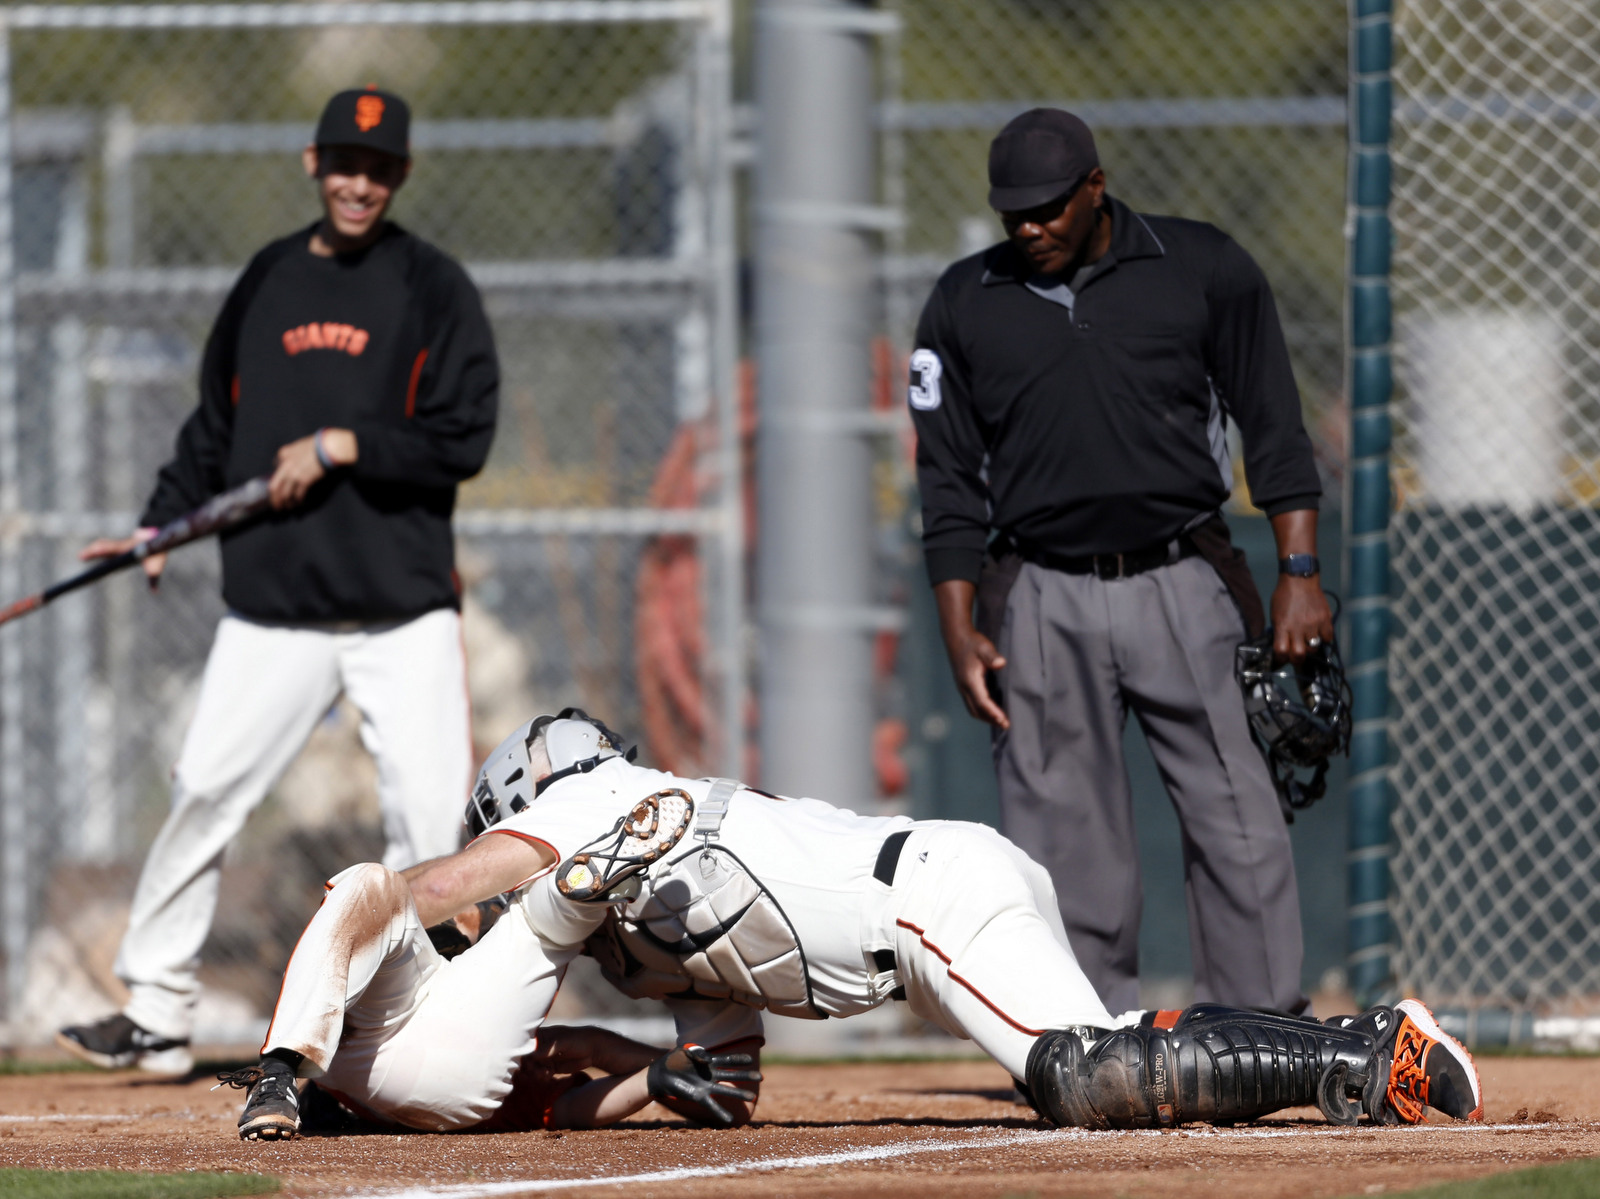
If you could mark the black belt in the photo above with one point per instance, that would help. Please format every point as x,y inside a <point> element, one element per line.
<point>1110,566</point>
<point>888,859</point>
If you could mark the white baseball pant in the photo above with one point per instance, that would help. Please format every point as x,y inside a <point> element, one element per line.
<point>979,944</point>
<point>383,1020</point>
<point>265,688</point>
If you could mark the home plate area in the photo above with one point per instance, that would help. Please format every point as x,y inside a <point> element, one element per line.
<point>909,1129</point>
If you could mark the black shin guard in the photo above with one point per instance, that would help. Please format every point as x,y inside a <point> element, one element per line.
<point>1216,1064</point>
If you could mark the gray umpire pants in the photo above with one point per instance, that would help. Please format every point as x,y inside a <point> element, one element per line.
<point>1081,652</point>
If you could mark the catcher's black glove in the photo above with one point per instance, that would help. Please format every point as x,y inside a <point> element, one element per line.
<point>693,1077</point>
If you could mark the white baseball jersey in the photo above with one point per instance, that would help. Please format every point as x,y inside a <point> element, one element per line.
<point>972,922</point>
<point>816,860</point>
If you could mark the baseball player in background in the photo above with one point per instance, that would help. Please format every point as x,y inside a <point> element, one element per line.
<point>353,362</point>
<point>724,901</point>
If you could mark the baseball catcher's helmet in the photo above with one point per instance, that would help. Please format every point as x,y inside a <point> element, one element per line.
<point>575,743</point>
<point>1299,716</point>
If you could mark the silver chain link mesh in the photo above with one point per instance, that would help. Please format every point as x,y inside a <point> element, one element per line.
<point>1496,545</point>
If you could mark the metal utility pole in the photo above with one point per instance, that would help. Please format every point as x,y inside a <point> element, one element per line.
<point>815,245</point>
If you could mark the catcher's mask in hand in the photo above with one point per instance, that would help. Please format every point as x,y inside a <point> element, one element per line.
<point>1299,716</point>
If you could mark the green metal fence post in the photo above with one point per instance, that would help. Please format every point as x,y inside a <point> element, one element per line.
<point>1367,506</point>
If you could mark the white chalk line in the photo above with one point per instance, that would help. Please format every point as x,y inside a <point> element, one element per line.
<point>487,1190</point>
<point>54,1117</point>
<point>61,1117</point>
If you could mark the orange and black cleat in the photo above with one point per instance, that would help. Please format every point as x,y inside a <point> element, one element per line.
<point>1431,1069</point>
<point>1428,1067</point>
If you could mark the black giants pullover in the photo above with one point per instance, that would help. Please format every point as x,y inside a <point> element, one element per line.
<point>391,343</point>
<point>1097,429</point>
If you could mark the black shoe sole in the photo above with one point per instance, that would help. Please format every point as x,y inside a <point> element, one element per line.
<point>133,1058</point>
<point>268,1129</point>
<point>106,1061</point>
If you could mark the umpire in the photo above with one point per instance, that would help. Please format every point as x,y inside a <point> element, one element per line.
<point>354,364</point>
<point>1071,389</point>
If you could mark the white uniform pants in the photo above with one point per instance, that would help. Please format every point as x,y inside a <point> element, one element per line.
<point>265,689</point>
<point>383,1020</point>
<point>979,944</point>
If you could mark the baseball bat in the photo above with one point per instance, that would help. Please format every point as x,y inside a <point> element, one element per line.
<point>216,514</point>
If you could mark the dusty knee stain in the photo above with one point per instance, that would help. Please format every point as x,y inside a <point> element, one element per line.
<point>366,898</point>
<point>372,895</point>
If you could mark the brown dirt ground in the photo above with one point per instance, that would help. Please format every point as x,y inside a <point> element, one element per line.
<point>1539,1110</point>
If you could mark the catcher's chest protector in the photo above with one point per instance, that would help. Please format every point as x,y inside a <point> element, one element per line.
<point>704,927</point>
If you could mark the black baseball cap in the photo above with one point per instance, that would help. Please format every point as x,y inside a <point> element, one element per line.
<point>1041,155</point>
<point>367,117</point>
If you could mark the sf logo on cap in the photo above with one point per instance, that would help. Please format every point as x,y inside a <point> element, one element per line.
<point>369,112</point>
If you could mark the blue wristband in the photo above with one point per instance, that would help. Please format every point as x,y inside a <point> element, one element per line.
<point>322,454</point>
<point>1299,566</point>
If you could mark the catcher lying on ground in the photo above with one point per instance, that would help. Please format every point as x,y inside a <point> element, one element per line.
<point>724,901</point>
<point>551,1088</point>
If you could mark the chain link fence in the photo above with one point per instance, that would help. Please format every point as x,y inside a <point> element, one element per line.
<point>574,156</point>
<point>1497,466</point>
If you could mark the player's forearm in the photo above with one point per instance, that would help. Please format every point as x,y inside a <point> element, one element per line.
<point>953,598</point>
<point>1295,532</point>
<point>438,893</point>
<point>601,1102</point>
<point>489,866</point>
<point>423,457</point>
<point>616,1054</point>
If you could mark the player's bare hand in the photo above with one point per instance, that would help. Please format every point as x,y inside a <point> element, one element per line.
<point>1300,616</point>
<point>299,468</point>
<point>974,660</point>
<point>973,657</point>
<point>110,547</point>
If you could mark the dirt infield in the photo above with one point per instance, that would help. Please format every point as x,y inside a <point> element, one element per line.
<point>847,1130</point>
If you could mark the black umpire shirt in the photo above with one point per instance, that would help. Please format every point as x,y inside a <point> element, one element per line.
<point>390,342</point>
<point>1097,428</point>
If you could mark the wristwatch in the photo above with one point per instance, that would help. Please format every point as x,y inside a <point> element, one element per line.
<point>1301,566</point>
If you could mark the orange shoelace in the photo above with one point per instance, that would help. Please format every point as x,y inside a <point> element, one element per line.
<point>1408,1080</point>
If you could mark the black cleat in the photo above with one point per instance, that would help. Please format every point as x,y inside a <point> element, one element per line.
<point>116,1043</point>
<point>272,1107</point>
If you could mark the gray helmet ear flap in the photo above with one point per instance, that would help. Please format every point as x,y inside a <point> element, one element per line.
<point>504,785</point>
<point>576,743</point>
<point>536,726</point>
